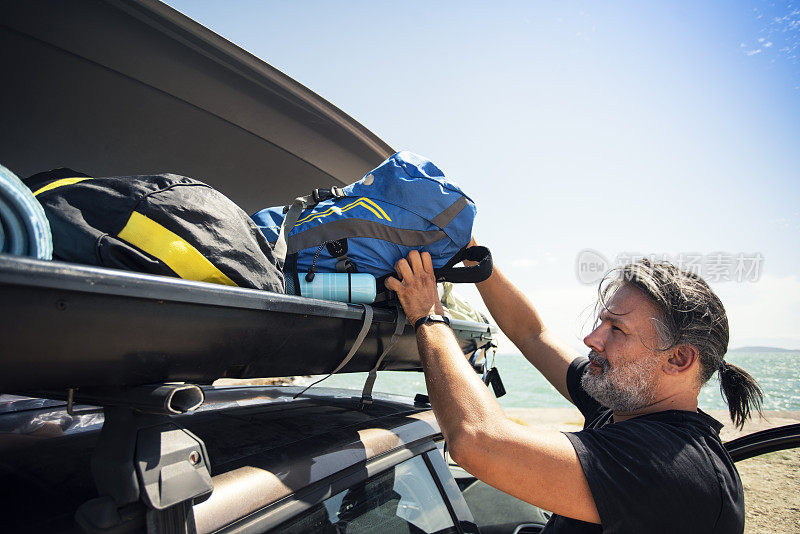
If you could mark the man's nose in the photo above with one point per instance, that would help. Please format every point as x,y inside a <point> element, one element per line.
<point>595,340</point>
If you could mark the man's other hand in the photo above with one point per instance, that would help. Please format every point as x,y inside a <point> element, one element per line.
<point>416,286</point>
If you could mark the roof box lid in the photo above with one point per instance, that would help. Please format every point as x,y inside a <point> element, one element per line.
<point>135,87</point>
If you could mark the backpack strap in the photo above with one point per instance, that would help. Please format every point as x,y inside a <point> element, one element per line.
<point>293,212</point>
<point>366,393</point>
<point>473,274</point>
<point>356,344</point>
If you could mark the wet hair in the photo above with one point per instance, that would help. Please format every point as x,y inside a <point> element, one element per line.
<point>691,314</point>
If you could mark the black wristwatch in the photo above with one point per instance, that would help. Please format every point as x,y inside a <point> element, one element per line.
<point>431,319</point>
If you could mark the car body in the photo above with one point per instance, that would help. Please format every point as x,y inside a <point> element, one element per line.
<point>278,463</point>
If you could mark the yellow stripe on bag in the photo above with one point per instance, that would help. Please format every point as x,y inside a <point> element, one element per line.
<point>329,211</point>
<point>365,199</point>
<point>59,183</point>
<point>362,202</point>
<point>180,256</point>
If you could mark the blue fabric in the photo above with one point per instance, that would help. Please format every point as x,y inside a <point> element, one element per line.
<point>24,229</point>
<point>405,191</point>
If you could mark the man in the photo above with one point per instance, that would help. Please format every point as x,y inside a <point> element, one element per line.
<point>648,460</point>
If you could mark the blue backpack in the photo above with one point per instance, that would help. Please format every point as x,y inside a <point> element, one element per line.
<point>404,204</point>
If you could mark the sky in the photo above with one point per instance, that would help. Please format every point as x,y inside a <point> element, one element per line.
<point>587,134</point>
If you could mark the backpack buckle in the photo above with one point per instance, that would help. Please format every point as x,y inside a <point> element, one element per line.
<point>324,194</point>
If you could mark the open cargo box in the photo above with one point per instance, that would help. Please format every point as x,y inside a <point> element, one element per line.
<point>133,87</point>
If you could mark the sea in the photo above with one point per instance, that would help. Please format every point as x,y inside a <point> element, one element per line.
<point>778,373</point>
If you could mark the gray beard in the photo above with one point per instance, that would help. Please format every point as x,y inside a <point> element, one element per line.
<point>624,388</point>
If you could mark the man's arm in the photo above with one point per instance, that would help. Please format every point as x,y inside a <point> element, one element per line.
<point>541,468</point>
<point>518,319</point>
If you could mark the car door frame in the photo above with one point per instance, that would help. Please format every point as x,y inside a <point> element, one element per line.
<point>758,443</point>
<point>278,513</point>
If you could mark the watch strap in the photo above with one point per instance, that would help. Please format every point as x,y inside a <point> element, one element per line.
<point>431,319</point>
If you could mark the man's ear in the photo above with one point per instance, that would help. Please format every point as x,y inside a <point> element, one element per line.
<point>682,358</point>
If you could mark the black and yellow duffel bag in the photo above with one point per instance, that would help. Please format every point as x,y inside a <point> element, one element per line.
<point>159,224</point>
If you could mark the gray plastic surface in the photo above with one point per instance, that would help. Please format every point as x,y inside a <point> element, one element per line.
<point>172,464</point>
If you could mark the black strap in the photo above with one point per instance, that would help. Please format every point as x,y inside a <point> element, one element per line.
<point>290,276</point>
<point>467,275</point>
<point>450,273</point>
<point>320,195</point>
<point>431,319</point>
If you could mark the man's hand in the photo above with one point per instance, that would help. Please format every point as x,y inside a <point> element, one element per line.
<point>416,287</point>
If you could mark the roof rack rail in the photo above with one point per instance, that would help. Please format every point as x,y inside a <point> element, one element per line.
<point>163,399</point>
<point>148,470</point>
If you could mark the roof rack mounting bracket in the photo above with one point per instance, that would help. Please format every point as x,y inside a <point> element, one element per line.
<point>148,470</point>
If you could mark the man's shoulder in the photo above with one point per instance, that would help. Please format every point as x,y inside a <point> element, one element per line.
<point>677,448</point>
<point>674,421</point>
<point>665,433</point>
<point>673,458</point>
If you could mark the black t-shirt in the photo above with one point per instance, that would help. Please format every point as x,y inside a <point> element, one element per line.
<point>661,472</point>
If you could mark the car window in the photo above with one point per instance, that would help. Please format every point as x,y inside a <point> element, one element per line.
<point>403,499</point>
<point>492,510</point>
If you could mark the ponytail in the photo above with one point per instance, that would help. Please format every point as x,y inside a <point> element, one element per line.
<point>740,391</point>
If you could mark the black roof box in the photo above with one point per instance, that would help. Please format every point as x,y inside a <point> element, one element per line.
<point>123,87</point>
<point>64,325</point>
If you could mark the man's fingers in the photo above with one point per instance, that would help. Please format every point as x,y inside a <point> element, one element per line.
<point>427,262</point>
<point>415,261</point>
<point>414,265</point>
<point>393,283</point>
<point>403,269</point>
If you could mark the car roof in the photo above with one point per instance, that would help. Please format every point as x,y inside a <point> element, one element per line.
<point>263,445</point>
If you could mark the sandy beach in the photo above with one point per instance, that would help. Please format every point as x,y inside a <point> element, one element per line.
<point>770,481</point>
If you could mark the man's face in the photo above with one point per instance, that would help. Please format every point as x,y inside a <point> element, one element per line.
<point>623,370</point>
